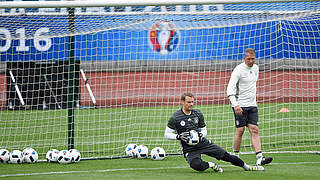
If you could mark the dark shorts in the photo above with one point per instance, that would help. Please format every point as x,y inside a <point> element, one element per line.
<point>249,116</point>
<point>209,148</point>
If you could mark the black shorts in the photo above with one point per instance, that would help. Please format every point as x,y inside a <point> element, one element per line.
<point>209,148</point>
<point>249,116</point>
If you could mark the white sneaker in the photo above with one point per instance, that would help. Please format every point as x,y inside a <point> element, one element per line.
<point>264,160</point>
<point>216,167</point>
<point>255,168</point>
<point>259,160</point>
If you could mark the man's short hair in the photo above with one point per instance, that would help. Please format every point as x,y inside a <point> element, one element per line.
<point>183,96</point>
<point>250,51</point>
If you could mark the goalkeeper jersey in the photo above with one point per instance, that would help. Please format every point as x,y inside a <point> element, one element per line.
<point>181,122</point>
<point>241,88</point>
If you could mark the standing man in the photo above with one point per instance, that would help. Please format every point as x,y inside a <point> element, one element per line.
<point>242,94</point>
<point>178,128</point>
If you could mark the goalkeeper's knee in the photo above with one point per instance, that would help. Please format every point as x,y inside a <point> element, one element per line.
<point>198,165</point>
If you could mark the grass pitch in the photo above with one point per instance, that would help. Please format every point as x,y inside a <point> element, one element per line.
<point>105,132</point>
<point>285,166</point>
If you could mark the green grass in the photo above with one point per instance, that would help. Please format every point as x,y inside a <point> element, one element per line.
<point>104,132</point>
<point>284,166</point>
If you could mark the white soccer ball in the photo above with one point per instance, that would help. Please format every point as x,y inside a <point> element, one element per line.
<point>16,157</point>
<point>30,155</point>
<point>75,155</point>
<point>158,153</point>
<point>4,156</point>
<point>64,157</point>
<point>193,138</point>
<point>52,155</point>
<point>141,152</point>
<point>130,150</point>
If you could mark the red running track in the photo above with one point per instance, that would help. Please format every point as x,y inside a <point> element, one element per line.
<point>118,89</point>
<point>129,89</point>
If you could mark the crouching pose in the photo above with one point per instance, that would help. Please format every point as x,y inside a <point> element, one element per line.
<point>180,127</point>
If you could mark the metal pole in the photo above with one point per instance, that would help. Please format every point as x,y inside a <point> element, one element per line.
<point>71,96</point>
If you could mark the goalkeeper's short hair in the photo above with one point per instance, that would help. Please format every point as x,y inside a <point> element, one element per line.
<point>183,96</point>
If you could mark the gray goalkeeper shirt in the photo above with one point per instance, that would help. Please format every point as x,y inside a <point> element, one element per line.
<point>241,88</point>
<point>180,122</point>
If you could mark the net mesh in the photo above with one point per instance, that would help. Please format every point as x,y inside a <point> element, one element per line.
<point>135,65</point>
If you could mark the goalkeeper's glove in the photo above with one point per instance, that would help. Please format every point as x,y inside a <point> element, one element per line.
<point>183,136</point>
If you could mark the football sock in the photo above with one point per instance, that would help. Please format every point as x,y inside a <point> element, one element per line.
<point>259,155</point>
<point>246,167</point>
<point>211,164</point>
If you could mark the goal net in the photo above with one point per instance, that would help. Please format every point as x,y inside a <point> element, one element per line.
<point>99,78</point>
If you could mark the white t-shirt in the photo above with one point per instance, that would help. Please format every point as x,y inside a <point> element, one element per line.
<point>242,85</point>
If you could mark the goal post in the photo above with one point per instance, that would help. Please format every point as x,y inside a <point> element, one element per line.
<point>133,60</point>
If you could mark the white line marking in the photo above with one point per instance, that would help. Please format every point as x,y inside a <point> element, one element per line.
<point>125,169</point>
<point>102,170</point>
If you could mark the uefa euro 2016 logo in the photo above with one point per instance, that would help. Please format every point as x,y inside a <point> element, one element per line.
<point>163,37</point>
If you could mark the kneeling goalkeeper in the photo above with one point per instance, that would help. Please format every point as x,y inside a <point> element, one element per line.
<point>187,119</point>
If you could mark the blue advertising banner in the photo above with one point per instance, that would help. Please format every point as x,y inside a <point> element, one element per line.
<point>102,39</point>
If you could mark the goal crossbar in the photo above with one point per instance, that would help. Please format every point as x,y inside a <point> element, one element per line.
<point>110,3</point>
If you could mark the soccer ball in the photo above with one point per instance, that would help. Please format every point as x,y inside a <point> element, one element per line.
<point>30,155</point>
<point>16,157</point>
<point>193,138</point>
<point>64,157</point>
<point>158,153</point>
<point>4,156</point>
<point>130,150</point>
<point>52,155</point>
<point>141,152</point>
<point>75,155</point>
